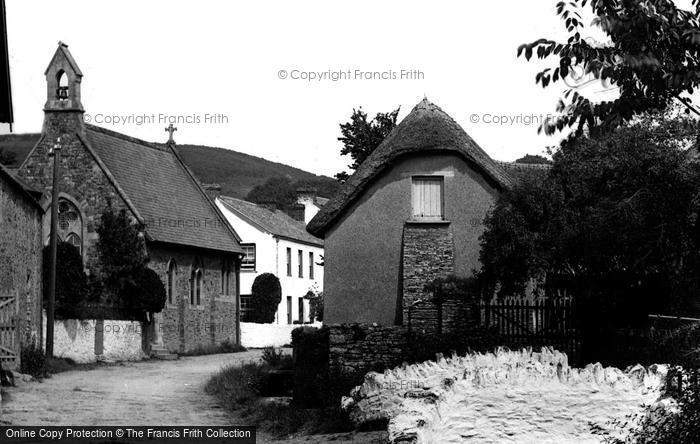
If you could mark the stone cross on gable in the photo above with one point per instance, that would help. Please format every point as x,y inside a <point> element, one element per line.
<point>171,129</point>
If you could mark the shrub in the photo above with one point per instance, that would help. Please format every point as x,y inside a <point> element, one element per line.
<point>226,346</point>
<point>122,266</point>
<point>145,293</point>
<point>315,305</point>
<point>422,348</point>
<point>310,365</point>
<point>266,296</point>
<point>33,361</point>
<point>71,281</point>
<point>121,248</point>
<point>667,426</point>
<point>238,386</point>
<point>680,346</point>
<point>271,356</point>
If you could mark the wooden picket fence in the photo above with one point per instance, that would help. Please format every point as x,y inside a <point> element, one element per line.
<point>538,323</point>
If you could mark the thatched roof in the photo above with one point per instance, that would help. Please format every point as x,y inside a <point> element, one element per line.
<point>520,172</point>
<point>426,128</point>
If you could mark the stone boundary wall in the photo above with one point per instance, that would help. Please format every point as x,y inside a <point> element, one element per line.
<point>364,347</point>
<point>91,340</point>
<point>269,335</point>
<point>535,396</point>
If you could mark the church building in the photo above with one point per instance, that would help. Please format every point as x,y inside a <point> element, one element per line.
<point>189,243</point>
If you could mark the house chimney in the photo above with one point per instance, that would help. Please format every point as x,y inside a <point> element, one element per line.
<point>298,213</point>
<point>306,197</point>
<point>304,194</point>
<point>212,189</point>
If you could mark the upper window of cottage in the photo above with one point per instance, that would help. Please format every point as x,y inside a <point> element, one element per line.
<point>428,197</point>
<point>248,262</point>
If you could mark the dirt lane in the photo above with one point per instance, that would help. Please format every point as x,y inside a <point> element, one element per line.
<point>139,393</point>
<point>135,393</point>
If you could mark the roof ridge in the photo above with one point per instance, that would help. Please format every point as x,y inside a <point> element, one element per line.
<point>19,183</point>
<point>524,164</point>
<point>238,199</point>
<point>109,132</point>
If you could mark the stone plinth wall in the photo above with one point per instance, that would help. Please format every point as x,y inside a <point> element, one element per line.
<point>91,340</point>
<point>364,347</point>
<point>269,335</point>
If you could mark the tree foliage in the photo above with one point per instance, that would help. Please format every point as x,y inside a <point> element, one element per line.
<point>622,205</point>
<point>315,299</point>
<point>123,265</point>
<point>144,293</point>
<point>266,297</point>
<point>277,190</point>
<point>121,249</point>
<point>652,58</point>
<point>533,159</point>
<point>675,422</point>
<point>282,191</point>
<point>361,136</point>
<point>71,281</point>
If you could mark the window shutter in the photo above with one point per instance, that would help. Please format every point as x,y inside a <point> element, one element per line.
<point>427,197</point>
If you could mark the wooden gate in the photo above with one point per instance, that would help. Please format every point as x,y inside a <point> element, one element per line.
<point>9,331</point>
<point>547,322</point>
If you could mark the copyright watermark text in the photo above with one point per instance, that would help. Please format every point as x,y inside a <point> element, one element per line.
<point>505,119</point>
<point>140,119</point>
<point>339,75</point>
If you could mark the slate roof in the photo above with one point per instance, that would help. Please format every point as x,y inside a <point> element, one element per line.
<point>161,191</point>
<point>276,222</point>
<point>425,128</point>
<point>31,194</point>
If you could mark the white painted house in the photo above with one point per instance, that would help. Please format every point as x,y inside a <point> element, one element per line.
<point>276,243</point>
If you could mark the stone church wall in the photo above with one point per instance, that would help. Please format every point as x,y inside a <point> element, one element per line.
<point>80,176</point>
<point>186,326</point>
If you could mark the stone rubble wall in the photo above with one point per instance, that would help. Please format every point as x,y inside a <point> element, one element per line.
<point>75,339</point>
<point>363,347</point>
<point>494,397</point>
<point>269,335</point>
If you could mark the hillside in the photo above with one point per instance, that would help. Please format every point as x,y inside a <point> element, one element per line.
<point>16,146</point>
<point>237,173</point>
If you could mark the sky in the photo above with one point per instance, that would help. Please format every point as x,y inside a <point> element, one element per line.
<point>275,78</point>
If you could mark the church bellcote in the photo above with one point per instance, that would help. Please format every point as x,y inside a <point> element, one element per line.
<point>63,82</point>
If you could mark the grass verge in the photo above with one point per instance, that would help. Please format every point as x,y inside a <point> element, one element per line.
<point>211,349</point>
<point>240,389</point>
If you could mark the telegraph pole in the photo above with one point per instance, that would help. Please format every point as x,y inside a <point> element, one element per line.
<point>56,154</point>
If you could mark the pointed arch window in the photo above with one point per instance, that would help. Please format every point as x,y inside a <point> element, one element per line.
<point>171,279</point>
<point>196,282</point>
<point>70,224</point>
